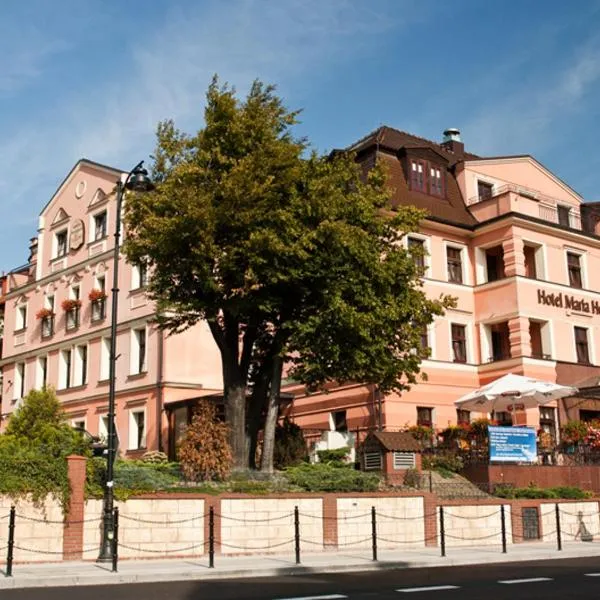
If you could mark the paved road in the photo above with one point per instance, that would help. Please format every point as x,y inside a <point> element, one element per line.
<point>548,580</point>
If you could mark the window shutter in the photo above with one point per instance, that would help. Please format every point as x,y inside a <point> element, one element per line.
<point>404,460</point>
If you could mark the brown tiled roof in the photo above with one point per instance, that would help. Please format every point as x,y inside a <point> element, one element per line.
<point>396,441</point>
<point>387,142</point>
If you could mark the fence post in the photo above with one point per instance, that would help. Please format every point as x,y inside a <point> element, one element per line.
<point>211,537</point>
<point>115,540</point>
<point>374,532</point>
<point>11,542</point>
<point>297,534</point>
<point>503,522</point>
<point>558,532</point>
<point>442,532</point>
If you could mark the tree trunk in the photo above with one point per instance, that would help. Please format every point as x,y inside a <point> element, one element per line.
<point>272,416</point>
<point>258,403</point>
<point>235,416</point>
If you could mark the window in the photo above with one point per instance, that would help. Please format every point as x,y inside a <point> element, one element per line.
<point>530,262</point>
<point>339,422</point>
<point>494,258</point>
<point>404,460</point>
<point>137,429</point>
<point>574,268</point>
<point>581,345</point>
<point>424,340</point>
<point>42,372</point>
<point>139,276</point>
<point>436,182</point>
<point>503,418</point>
<point>500,339</point>
<point>78,424</point>
<point>484,190</point>
<point>104,359</point>
<point>81,360</point>
<point>99,299</point>
<point>417,175</point>
<point>424,416</point>
<point>64,374</point>
<point>416,247</point>
<point>459,343</point>
<point>19,383</point>
<point>548,421</point>
<point>454,262</point>
<point>21,317</point>
<point>463,417</point>
<point>103,427</point>
<point>73,313</point>
<point>138,351</point>
<point>61,244</point>
<point>372,461</point>
<point>563,213</point>
<point>100,226</point>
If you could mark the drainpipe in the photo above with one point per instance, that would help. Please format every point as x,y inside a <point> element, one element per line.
<point>159,388</point>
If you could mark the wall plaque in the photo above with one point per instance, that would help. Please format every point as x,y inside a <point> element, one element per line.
<point>77,235</point>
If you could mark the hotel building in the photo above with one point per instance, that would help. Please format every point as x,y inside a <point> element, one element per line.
<point>516,246</point>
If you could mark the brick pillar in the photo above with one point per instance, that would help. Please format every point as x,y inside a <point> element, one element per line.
<point>330,523</point>
<point>215,502</point>
<point>431,526</point>
<point>519,338</point>
<point>73,526</point>
<point>514,257</point>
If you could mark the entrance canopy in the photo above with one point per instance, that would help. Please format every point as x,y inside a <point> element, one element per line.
<point>513,392</point>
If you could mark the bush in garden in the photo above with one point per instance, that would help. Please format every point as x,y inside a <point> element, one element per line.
<point>412,478</point>
<point>290,446</point>
<point>448,462</point>
<point>205,453</point>
<point>574,432</point>
<point>328,478</point>
<point>336,457</point>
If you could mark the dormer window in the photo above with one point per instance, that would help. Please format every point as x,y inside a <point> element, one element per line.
<point>61,243</point>
<point>484,190</point>
<point>417,176</point>
<point>436,185</point>
<point>563,213</point>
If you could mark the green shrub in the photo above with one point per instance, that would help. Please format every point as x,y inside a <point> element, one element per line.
<point>336,457</point>
<point>412,478</point>
<point>290,445</point>
<point>444,463</point>
<point>533,492</point>
<point>328,478</point>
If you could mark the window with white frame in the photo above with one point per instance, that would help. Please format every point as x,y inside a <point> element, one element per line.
<point>100,226</point>
<point>41,378</point>
<point>103,427</point>
<point>138,351</point>
<point>458,333</point>
<point>139,276</point>
<point>21,317</point>
<point>104,359</point>
<point>137,429</point>
<point>65,369</point>
<point>417,248</point>
<point>60,243</point>
<point>455,258</point>
<point>80,366</point>
<point>78,424</point>
<point>575,269</point>
<point>404,460</point>
<point>19,383</point>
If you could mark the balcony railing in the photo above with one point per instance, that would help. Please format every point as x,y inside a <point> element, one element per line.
<point>548,210</point>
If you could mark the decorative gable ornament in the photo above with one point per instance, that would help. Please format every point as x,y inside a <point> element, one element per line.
<point>77,235</point>
<point>98,197</point>
<point>60,216</point>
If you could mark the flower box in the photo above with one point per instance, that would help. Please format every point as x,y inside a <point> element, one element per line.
<point>69,305</point>
<point>44,313</point>
<point>96,295</point>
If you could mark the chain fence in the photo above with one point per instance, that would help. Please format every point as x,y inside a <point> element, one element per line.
<point>446,526</point>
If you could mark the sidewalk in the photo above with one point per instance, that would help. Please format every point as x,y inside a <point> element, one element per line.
<point>226,567</point>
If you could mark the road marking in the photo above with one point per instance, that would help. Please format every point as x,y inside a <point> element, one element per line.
<point>530,580</point>
<point>431,588</point>
<point>326,597</point>
<point>592,574</point>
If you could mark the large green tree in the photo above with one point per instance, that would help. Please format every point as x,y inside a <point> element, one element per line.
<point>291,259</point>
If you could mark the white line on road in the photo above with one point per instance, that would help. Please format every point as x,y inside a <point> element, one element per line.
<point>592,574</point>
<point>431,588</point>
<point>530,580</point>
<point>326,597</point>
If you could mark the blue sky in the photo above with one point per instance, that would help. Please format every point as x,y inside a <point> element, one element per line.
<point>91,78</point>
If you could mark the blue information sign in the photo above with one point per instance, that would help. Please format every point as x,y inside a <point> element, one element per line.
<point>512,444</point>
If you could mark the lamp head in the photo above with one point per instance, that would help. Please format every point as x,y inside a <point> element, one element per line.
<point>139,180</point>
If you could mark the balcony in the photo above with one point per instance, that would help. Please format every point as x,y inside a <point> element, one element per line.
<point>503,199</point>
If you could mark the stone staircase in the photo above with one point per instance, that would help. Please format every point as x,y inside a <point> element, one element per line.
<point>451,487</point>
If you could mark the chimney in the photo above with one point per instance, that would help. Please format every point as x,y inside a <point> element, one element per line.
<point>452,142</point>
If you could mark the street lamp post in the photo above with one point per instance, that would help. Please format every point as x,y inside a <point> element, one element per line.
<point>137,180</point>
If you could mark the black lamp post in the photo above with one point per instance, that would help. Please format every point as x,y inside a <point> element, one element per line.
<point>138,181</point>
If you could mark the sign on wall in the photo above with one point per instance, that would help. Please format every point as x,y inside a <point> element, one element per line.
<point>77,234</point>
<point>512,444</point>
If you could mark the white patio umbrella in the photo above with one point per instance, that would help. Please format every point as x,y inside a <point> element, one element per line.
<point>513,392</point>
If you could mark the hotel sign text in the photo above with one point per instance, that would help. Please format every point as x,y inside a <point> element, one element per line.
<point>560,300</point>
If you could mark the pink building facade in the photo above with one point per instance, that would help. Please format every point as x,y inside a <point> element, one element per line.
<point>519,251</point>
<point>57,326</point>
